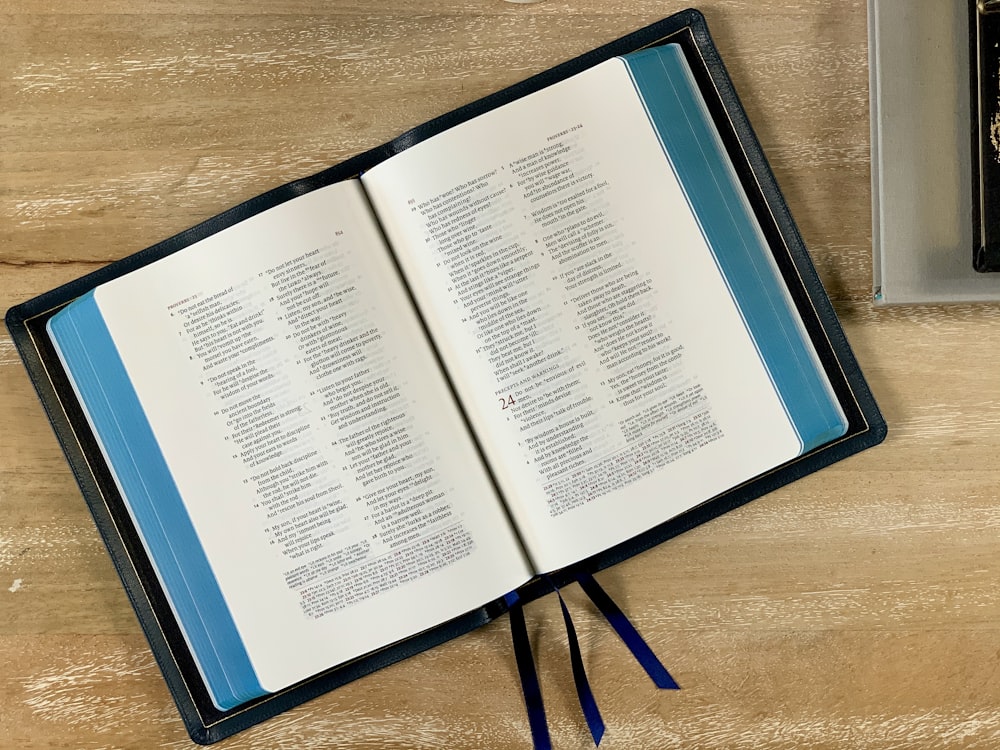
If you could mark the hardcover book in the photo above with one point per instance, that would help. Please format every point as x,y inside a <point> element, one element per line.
<point>342,422</point>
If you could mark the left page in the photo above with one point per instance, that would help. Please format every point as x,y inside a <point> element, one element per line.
<point>311,436</point>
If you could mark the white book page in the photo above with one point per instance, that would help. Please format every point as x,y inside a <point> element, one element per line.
<point>313,439</point>
<point>594,344</point>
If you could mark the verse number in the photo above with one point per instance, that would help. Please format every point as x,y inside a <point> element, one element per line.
<point>506,403</point>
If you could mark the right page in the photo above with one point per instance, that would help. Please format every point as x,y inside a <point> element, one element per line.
<point>606,304</point>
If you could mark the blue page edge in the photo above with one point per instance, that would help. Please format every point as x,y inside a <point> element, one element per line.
<point>91,359</point>
<point>691,144</point>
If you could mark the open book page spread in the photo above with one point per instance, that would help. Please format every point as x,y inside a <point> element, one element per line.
<point>617,343</point>
<point>292,454</point>
<point>606,304</point>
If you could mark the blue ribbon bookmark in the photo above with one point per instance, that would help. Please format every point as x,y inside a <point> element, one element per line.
<point>590,711</point>
<point>529,677</point>
<point>629,635</point>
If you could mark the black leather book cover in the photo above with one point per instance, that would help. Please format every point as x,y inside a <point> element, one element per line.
<point>205,723</point>
<point>984,67</point>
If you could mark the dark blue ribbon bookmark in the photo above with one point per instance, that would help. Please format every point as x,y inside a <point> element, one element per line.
<point>529,677</point>
<point>629,635</point>
<point>590,711</point>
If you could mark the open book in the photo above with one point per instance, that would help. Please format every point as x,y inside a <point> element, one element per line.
<point>509,348</point>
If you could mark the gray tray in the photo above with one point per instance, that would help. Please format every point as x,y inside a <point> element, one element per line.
<point>921,154</point>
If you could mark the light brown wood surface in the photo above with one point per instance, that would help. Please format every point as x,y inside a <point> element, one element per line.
<point>857,608</point>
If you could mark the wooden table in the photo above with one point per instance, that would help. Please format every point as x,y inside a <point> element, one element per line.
<point>859,607</point>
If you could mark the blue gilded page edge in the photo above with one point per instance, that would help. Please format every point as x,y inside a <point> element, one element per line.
<point>692,145</point>
<point>89,354</point>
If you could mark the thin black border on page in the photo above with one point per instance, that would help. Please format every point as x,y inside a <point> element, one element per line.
<point>204,722</point>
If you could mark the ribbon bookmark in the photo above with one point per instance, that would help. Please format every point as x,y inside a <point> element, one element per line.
<point>529,677</point>
<point>590,711</point>
<point>629,635</point>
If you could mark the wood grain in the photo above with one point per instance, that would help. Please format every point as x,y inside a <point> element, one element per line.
<point>858,608</point>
